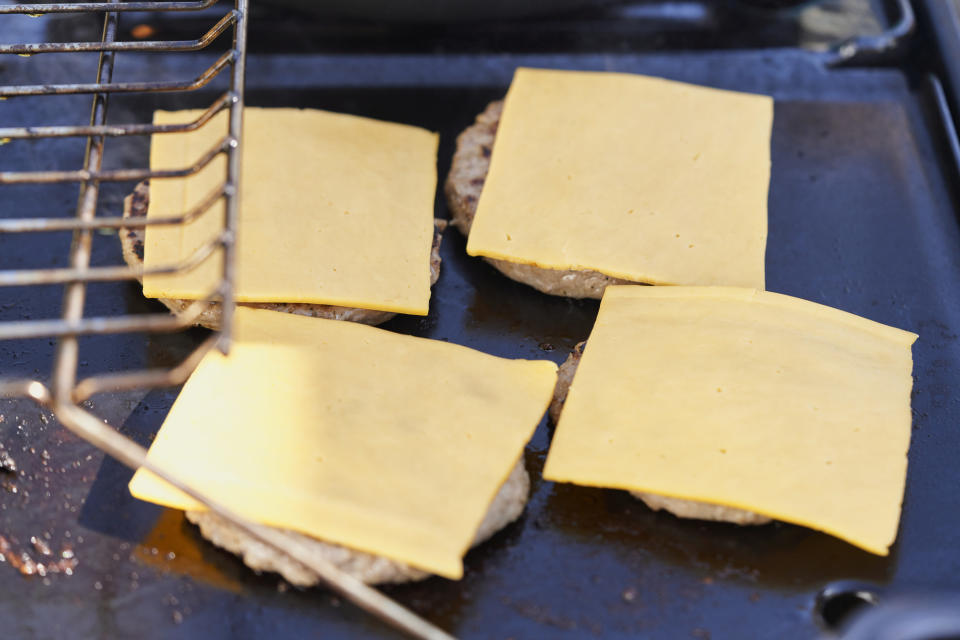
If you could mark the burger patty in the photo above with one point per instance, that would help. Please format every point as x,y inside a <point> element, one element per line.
<point>471,162</point>
<point>677,506</point>
<point>132,241</point>
<point>369,568</point>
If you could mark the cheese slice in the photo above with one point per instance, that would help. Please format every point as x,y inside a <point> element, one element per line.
<point>635,177</point>
<point>382,442</point>
<point>743,398</point>
<point>335,209</point>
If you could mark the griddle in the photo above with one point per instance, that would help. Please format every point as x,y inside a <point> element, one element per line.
<point>863,217</point>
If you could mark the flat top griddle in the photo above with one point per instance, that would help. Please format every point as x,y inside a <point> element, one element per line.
<point>863,217</point>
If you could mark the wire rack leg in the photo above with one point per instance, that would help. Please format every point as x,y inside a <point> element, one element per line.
<point>64,392</point>
<point>75,294</point>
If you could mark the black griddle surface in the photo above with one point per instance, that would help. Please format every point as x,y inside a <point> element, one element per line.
<point>861,218</point>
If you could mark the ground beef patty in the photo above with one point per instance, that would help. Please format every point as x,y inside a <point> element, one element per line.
<point>676,506</point>
<point>136,205</point>
<point>471,161</point>
<point>505,508</point>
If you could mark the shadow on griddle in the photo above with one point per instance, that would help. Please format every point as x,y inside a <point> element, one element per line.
<point>162,538</point>
<point>475,305</point>
<point>773,555</point>
<point>109,507</point>
<point>444,601</point>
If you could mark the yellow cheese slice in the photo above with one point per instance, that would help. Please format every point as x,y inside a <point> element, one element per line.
<point>382,442</point>
<point>635,177</point>
<point>747,399</point>
<point>335,209</point>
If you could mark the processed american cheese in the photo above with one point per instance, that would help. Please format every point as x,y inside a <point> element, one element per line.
<point>747,399</point>
<point>335,209</point>
<point>635,177</point>
<point>382,442</point>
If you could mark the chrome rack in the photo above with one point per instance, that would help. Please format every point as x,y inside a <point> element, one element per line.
<point>64,394</point>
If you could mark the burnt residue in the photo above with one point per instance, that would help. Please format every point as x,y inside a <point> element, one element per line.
<point>7,464</point>
<point>8,471</point>
<point>44,472</point>
<point>41,546</point>
<point>139,202</point>
<point>42,563</point>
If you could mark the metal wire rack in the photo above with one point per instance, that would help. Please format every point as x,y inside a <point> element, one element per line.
<point>64,393</point>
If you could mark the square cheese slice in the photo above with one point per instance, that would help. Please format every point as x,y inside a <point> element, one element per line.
<point>747,399</point>
<point>335,209</point>
<point>635,177</point>
<point>382,442</point>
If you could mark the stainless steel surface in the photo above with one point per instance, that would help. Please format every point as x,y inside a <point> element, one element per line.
<point>63,394</point>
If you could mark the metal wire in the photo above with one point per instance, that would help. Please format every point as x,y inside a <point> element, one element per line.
<point>113,6</point>
<point>180,45</point>
<point>227,59</point>
<point>64,392</point>
<point>14,225</point>
<point>87,175</point>
<point>117,131</point>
